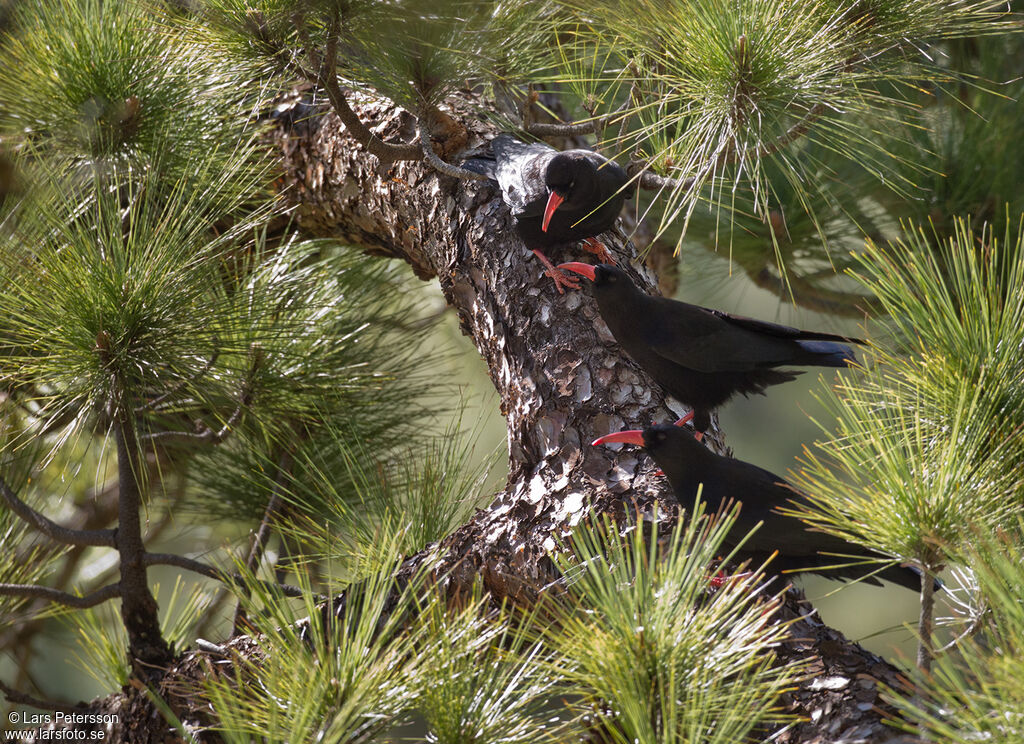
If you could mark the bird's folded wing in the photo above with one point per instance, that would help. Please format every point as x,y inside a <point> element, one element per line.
<point>703,341</point>
<point>780,331</point>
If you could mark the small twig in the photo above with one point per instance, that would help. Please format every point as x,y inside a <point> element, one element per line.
<point>151,405</point>
<point>54,531</point>
<point>925,650</point>
<point>204,433</point>
<point>795,131</point>
<point>110,591</point>
<point>652,181</point>
<point>328,78</point>
<point>439,165</point>
<point>20,698</point>
<point>973,628</point>
<point>576,129</point>
<point>211,648</point>
<point>203,569</point>
<point>631,99</point>
<point>259,540</point>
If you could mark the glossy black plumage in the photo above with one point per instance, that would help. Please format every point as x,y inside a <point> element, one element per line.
<point>590,186</point>
<point>687,464</point>
<point>704,357</point>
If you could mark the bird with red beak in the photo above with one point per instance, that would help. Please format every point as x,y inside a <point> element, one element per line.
<point>558,199</point>
<point>700,356</point>
<point>791,544</point>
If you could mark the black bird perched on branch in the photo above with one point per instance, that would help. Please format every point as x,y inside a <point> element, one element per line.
<point>701,356</point>
<point>557,198</point>
<point>687,463</point>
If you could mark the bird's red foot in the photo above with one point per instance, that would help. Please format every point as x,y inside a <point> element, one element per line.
<point>560,278</point>
<point>595,246</point>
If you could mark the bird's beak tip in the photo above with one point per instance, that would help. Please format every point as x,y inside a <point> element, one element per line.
<point>549,210</point>
<point>631,436</point>
<point>580,268</point>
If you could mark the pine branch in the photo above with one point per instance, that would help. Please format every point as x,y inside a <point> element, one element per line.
<point>327,77</point>
<point>32,591</point>
<point>203,569</point>
<point>54,531</point>
<point>651,181</point>
<point>926,621</point>
<point>577,129</point>
<point>21,698</point>
<point>259,540</point>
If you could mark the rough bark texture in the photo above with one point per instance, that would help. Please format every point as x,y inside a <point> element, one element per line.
<point>562,381</point>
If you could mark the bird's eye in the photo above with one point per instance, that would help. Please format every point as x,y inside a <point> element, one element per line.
<point>613,278</point>
<point>660,436</point>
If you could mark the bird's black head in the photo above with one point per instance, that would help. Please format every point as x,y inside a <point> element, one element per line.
<point>606,275</point>
<point>566,173</point>
<point>666,438</point>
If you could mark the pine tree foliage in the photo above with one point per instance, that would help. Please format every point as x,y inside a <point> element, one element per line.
<point>353,671</point>
<point>908,443</point>
<point>924,449</point>
<point>975,692</point>
<point>654,652</point>
<point>155,305</point>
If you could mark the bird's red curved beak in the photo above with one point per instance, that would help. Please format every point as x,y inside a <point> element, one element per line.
<point>632,436</point>
<point>553,201</point>
<point>580,268</point>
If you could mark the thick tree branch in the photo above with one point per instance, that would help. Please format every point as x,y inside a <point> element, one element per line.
<point>54,531</point>
<point>562,381</point>
<point>110,591</point>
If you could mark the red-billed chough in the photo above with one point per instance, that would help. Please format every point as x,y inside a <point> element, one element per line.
<point>557,198</point>
<point>700,356</point>
<point>797,546</point>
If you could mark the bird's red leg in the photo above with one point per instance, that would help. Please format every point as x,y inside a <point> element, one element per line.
<point>595,246</point>
<point>685,419</point>
<point>698,435</point>
<point>720,579</point>
<point>560,278</point>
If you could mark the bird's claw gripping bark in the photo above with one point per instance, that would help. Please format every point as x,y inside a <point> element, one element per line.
<point>595,246</point>
<point>560,278</point>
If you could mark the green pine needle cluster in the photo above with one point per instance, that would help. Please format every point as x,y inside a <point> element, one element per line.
<point>737,101</point>
<point>640,644</point>
<point>342,679</point>
<point>99,86</point>
<point>926,443</point>
<point>654,654</point>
